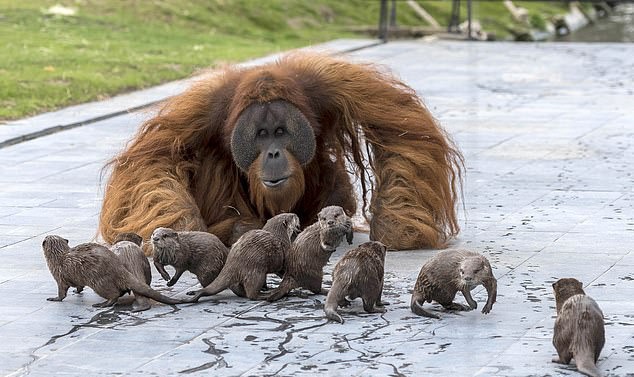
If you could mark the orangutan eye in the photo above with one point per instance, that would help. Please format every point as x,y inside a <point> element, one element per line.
<point>279,131</point>
<point>263,133</point>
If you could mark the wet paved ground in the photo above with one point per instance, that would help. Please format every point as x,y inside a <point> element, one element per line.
<point>548,138</point>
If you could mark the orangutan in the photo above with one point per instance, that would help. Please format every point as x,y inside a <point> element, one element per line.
<point>244,144</point>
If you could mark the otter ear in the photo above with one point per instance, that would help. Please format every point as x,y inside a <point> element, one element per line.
<point>554,284</point>
<point>65,240</point>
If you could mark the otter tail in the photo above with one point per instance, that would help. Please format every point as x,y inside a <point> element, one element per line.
<point>330,308</point>
<point>142,289</point>
<point>282,290</point>
<point>336,295</point>
<point>586,365</point>
<point>222,282</point>
<point>417,306</point>
<point>588,341</point>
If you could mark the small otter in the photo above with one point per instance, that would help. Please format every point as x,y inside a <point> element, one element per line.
<point>127,247</point>
<point>451,271</point>
<point>201,253</point>
<point>311,250</point>
<point>95,266</point>
<point>359,273</point>
<point>579,328</point>
<point>256,253</point>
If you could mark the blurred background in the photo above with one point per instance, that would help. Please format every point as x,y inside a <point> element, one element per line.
<point>59,53</point>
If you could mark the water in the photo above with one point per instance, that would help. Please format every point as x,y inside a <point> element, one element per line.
<point>618,27</point>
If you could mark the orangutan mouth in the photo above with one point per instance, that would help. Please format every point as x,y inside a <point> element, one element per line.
<point>274,183</point>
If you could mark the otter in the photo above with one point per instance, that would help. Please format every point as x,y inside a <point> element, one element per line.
<point>95,266</point>
<point>579,329</point>
<point>256,253</point>
<point>201,253</point>
<point>451,271</point>
<point>127,248</point>
<point>359,273</point>
<point>311,250</point>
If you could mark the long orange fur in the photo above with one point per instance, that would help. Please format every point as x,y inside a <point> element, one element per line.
<point>178,170</point>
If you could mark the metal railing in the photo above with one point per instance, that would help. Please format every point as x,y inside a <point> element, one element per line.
<point>386,22</point>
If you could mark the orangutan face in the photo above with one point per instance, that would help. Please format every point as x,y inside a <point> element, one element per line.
<point>277,138</point>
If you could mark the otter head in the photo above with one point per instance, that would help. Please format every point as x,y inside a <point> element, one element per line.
<point>565,288</point>
<point>474,270</point>
<point>53,244</point>
<point>284,223</point>
<point>166,243</point>
<point>333,224</point>
<point>376,248</point>
<point>131,237</point>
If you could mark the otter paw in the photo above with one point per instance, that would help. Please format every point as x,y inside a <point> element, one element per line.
<point>378,309</point>
<point>140,307</point>
<point>335,317</point>
<point>457,307</point>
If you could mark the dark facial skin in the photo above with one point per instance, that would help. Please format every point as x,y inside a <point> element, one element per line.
<point>271,139</point>
<point>275,131</point>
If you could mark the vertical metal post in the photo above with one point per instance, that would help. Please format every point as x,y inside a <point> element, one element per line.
<point>469,19</point>
<point>383,21</point>
<point>454,19</point>
<point>393,14</point>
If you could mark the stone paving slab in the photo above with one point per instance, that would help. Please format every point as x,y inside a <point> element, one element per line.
<point>546,130</point>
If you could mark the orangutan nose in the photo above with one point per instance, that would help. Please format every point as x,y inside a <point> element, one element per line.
<point>274,154</point>
<point>331,222</point>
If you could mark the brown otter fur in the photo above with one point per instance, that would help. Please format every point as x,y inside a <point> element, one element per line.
<point>95,266</point>
<point>579,328</point>
<point>311,250</point>
<point>131,237</point>
<point>201,253</point>
<point>451,271</point>
<point>127,248</point>
<point>359,273</point>
<point>256,253</point>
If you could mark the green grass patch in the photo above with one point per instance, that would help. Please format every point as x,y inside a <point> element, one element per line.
<point>109,47</point>
<point>113,46</point>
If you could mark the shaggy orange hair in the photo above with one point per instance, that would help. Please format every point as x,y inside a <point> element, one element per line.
<point>178,171</point>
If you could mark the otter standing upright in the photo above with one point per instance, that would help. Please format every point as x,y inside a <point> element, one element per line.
<point>451,271</point>
<point>311,250</point>
<point>255,254</point>
<point>579,329</point>
<point>359,273</point>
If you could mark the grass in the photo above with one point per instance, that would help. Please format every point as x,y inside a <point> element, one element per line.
<point>493,15</point>
<point>113,46</point>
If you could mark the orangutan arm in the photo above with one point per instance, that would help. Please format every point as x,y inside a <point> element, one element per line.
<point>142,197</point>
<point>415,167</point>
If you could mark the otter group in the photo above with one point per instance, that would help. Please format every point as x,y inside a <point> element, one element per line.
<point>299,259</point>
